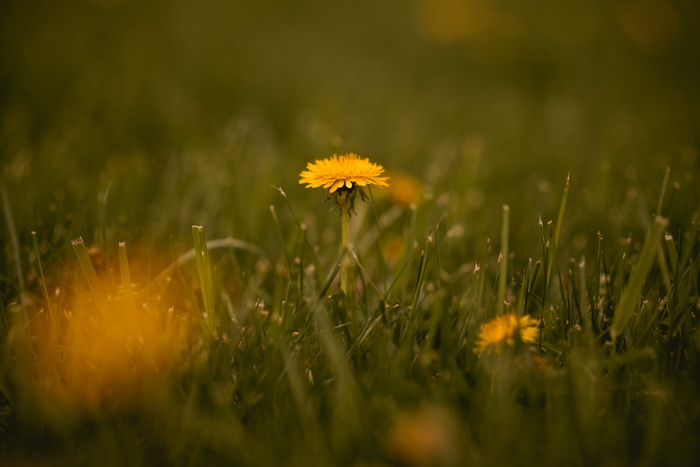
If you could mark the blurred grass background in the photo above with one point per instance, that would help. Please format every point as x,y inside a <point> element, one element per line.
<point>487,102</point>
<point>132,120</point>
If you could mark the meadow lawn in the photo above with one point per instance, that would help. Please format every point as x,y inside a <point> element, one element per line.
<point>524,291</point>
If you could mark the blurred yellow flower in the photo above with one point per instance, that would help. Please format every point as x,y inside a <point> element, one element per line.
<point>651,24</point>
<point>427,436</point>
<point>339,172</point>
<point>404,189</point>
<point>84,357</point>
<point>504,329</point>
<point>452,20</point>
<point>394,248</point>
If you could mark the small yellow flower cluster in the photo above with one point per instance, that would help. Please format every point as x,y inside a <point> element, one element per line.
<point>504,329</point>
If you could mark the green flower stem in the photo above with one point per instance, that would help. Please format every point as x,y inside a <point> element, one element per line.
<point>345,245</point>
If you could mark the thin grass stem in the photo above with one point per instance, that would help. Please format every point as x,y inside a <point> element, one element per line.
<point>204,273</point>
<point>127,288</point>
<point>345,277</point>
<point>503,267</point>
<point>44,289</point>
<point>91,275</point>
<point>14,241</point>
<point>639,274</point>
<point>280,236</point>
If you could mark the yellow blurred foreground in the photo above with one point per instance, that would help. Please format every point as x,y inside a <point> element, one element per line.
<point>78,356</point>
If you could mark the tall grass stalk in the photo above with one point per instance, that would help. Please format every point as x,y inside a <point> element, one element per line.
<point>14,242</point>
<point>503,260</point>
<point>91,275</point>
<point>633,290</point>
<point>412,311</point>
<point>660,254</point>
<point>280,236</point>
<point>42,278</point>
<point>127,289</point>
<point>206,281</point>
<point>346,274</point>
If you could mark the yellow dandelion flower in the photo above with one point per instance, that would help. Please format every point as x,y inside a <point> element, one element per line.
<point>504,329</point>
<point>345,171</point>
<point>344,176</point>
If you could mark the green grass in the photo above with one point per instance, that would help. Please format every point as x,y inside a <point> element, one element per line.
<point>130,335</point>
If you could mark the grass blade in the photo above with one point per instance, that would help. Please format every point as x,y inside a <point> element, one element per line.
<point>89,271</point>
<point>562,210</point>
<point>639,275</point>
<point>125,276</point>
<point>417,291</point>
<point>503,269</point>
<point>280,236</point>
<point>660,204</point>
<point>204,272</point>
<point>671,248</point>
<point>44,290</point>
<point>14,241</point>
<point>211,245</point>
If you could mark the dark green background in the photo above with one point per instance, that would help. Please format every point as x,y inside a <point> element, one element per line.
<point>189,111</point>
